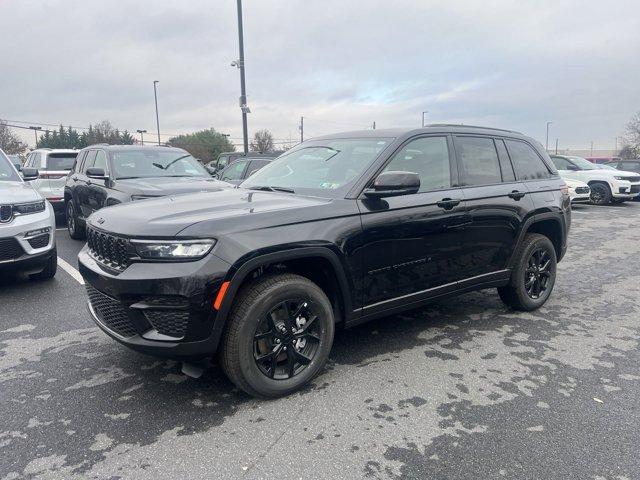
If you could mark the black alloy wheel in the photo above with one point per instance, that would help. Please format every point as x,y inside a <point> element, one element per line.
<point>600,194</point>
<point>538,273</point>
<point>287,339</point>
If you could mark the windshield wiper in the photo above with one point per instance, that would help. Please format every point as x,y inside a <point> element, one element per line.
<point>268,188</point>
<point>165,167</point>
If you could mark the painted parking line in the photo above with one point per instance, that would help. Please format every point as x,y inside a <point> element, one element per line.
<point>71,271</point>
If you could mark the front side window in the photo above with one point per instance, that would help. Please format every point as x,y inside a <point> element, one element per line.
<point>234,171</point>
<point>429,158</point>
<point>526,162</point>
<point>322,167</point>
<point>89,159</point>
<point>148,163</point>
<point>37,160</point>
<point>101,160</point>
<point>61,161</point>
<point>7,171</point>
<point>561,163</point>
<point>478,161</point>
<point>256,165</point>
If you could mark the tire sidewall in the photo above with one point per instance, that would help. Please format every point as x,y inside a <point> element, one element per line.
<point>605,191</point>
<point>272,297</point>
<point>528,302</point>
<point>71,215</point>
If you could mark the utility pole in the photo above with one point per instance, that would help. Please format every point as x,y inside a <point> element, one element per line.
<point>35,133</point>
<point>592,148</point>
<point>423,114</point>
<point>155,95</point>
<point>374,125</point>
<point>141,132</point>
<point>301,129</point>
<point>547,142</point>
<point>243,89</point>
<point>556,146</point>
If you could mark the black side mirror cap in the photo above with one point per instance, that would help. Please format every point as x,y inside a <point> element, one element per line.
<point>29,174</point>
<point>393,184</point>
<point>97,173</point>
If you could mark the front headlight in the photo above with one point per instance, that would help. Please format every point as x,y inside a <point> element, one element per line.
<point>27,208</point>
<point>619,178</point>
<point>173,249</point>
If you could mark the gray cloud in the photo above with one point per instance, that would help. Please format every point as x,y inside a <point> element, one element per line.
<point>513,64</point>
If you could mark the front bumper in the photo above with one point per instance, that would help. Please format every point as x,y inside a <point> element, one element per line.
<point>29,251</point>
<point>162,309</point>
<point>622,189</point>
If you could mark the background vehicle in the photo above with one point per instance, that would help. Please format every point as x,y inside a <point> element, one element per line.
<point>627,165</point>
<point>340,229</point>
<point>53,167</point>
<point>602,159</point>
<point>27,224</point>
<point>227,158</point>
<point>16,160</point>
<point>242,169</point>
<point>106,175</point>
<point>579,192</point>
<point>606,185</point>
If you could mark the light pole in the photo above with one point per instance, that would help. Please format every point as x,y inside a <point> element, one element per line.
<point>155,95</point>
<point>423,114</point>
<point>141,132</point>
<point>547,142</point>
<point>243,90</point>
<point>35,133</point>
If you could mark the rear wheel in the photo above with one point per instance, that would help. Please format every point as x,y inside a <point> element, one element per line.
<point>49,270</point>
<point>74,225</point>
<point>600,194</point>
<point>534,276</point>
<point>279,335</point>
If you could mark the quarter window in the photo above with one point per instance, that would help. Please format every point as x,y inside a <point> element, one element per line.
<point>429,158</point>
<point>526,162</point>
<point>479,163</point>
<point>505,164</point>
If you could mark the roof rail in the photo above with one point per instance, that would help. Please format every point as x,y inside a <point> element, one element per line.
<point>472,126</point>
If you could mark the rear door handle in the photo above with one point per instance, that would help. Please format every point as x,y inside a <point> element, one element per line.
<point>448,203</point>
<point>516,195</point>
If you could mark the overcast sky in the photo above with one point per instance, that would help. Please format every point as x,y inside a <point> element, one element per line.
<point>342,64</point>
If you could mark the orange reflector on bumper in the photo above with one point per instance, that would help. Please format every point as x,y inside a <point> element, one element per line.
<point>220,296</point>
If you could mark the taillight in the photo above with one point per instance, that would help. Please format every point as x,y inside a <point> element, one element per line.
<point>564,189</point>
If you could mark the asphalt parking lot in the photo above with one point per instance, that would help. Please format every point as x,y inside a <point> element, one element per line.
<point>462,389</point>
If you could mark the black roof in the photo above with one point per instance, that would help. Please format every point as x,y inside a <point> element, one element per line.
<point>432,128</point>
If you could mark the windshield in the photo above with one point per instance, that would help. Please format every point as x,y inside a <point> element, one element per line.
<point>321,167</point>
<point>154,163</point>
<point>61,161</point>
<point>583,163</point>
<point>7,171</point>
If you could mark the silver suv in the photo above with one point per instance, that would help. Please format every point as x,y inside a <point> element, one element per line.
<point>53,166</point>
<point>27,224</point>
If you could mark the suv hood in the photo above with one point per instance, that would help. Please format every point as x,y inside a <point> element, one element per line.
<point>223,211</point>
<point>161,186</point>
<point>18,192</point>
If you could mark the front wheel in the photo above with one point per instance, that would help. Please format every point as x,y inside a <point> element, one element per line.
<point>600,194</point>
<point>534,275</point>
<point>279,335</point>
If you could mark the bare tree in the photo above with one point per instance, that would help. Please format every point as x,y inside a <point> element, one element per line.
<point>632,137</point>
<point>262,142</point>
<point>9,141</point>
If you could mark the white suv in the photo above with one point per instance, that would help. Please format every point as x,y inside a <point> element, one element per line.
<point>27,224</point>
<point>606,185</point>
<point>53,167</point>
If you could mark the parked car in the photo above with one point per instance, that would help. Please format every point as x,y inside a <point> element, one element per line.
<point>601,159</point>
<point>607,186</point>
<point>628,165</point>
<point>227,158</point>
<point>106,175</point>
<point>27,224</point>
<point>339,230</point>
<point>579,192</point>
<point>53,166</point>
<point>242,169</point>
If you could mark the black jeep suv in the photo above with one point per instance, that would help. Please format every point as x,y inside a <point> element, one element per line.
<point>105,175</point>
<point>337,231</point>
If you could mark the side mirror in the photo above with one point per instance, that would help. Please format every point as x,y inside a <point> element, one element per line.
<point>97,173</point>
<point>18,166</point>
<point>393,184</point>
<point>29,174</point>
<point>572,167</point>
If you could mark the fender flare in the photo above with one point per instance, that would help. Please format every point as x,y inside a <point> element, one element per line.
<point>533,220</point>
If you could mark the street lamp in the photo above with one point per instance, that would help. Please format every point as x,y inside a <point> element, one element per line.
<point>35,133</point>
<point>547,142</point>
<point>155,95</point>
<point>243,90</point>
<point>141,132</point>
<point>423,114</point>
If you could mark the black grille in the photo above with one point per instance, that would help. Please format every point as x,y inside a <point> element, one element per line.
<point>107,249</point>
<point>10,249</point>
<point>6,212</point>
<point>110,312</point>
<point>635,188</point>
<point>582,189</point>
<point>40,241</point>
<point>169,322</point>
<point>631,179</point>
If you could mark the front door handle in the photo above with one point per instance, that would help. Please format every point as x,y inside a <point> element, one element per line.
<point>448,203</point>
<point>516,195</point>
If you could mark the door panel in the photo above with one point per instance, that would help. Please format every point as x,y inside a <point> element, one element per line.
<point>97,191</point>
<point>82,185</point>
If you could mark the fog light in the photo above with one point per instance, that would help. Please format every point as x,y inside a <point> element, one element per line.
<point>35,233</point>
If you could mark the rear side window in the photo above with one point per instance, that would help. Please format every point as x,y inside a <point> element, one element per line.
<point>526,162</point>
<point>61,161</point>
<point>477,161</point>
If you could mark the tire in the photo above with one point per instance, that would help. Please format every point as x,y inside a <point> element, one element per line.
<point>517,294</point>
<point>49,270</point>
<point>272,297</point>
<point>75,227</point>
<point>600,193</point>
